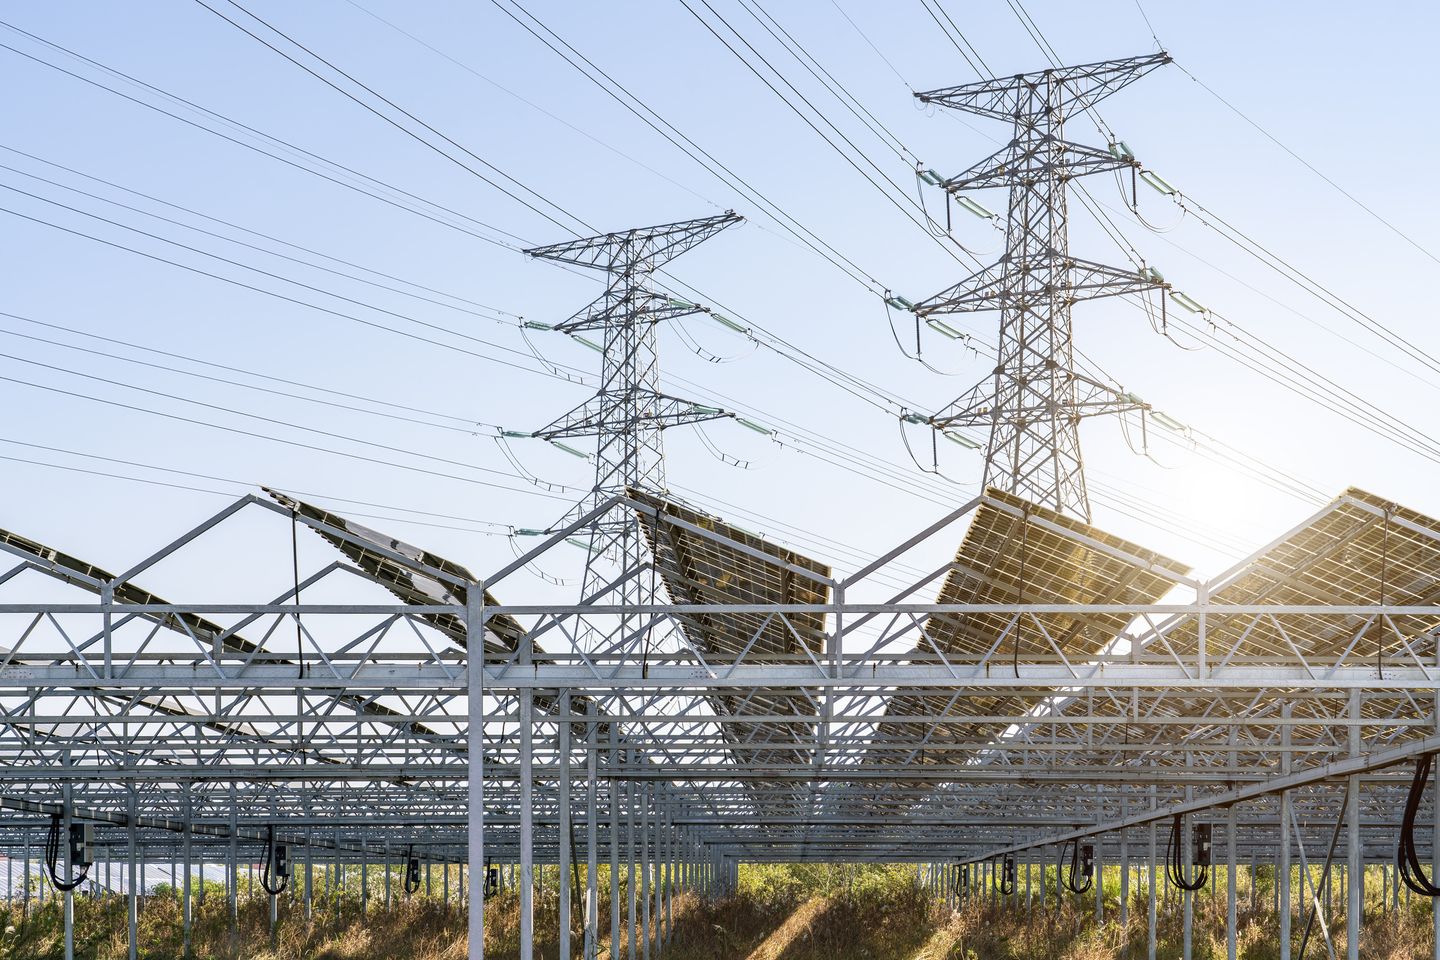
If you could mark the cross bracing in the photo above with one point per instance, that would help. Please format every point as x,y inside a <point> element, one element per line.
<point>985,709</point>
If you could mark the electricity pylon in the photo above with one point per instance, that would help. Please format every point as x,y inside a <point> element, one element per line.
<point>628,413</point>
<point>1036,399</point>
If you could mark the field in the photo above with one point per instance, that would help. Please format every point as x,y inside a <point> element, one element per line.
<point>779,913</point>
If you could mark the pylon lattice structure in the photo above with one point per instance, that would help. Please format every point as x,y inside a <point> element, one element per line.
<point>628,413</point>
<point>1037,398</point>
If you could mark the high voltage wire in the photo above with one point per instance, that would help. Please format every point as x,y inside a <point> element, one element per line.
<point>621,95</point>
<point>298,152</point>
<point>499,529</point>
<point>811,123</point>
<point>249,373</point>
<point>395,123</point>
<point>529,103</point>
<point>269,292</point>
<point>218,408</point>
<point>491,313</point>
<point>772,346</point>
<point>261,436</point>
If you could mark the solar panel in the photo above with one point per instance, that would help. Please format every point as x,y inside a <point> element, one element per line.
<point>1018,552</point>
<point>87,576</point>
<point>412,582</point>
<point>1352,552</point>
<point>704,560</point>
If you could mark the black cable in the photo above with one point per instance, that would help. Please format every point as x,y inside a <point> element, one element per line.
<point>1175,860</point>
<point>267,872</point>
<point>1006,881</point>
<point>1076,867</point>
<point>52,859</point>
<point>1407,859</point>
<point>410,859</point>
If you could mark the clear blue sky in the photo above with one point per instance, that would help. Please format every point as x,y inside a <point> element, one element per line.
<point>1345,85</point>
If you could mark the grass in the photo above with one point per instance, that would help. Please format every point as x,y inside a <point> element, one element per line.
<point>794,912</point>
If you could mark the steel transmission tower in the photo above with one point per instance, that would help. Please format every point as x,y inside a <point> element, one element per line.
<point>628,413</point>
<point>1035,401</point>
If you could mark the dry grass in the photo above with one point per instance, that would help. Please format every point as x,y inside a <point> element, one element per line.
<point>780,913</point>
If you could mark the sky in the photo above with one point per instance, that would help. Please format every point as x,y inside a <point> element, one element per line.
<point>411,448</point>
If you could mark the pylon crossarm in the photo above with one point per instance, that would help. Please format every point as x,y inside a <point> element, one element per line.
<point>1039,158</point>
<point>619,304</point>
<point>1081,87</point>
<point>641,250</point>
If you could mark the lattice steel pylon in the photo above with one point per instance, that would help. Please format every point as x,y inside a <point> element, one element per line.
<point>1035,401</point>
<point>628,413</point>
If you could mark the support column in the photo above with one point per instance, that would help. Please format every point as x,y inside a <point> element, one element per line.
<point>564,743</point>
<point>614,844</point>
<point>592,858</point>
<point>1151,912</point>
<point>187,919</point>
<point>68,907</point>
<point>527,824</point>
<point>647,830</point>
<point>475,775</point>
<point>1282,879</point>
<point>133,908</point>
<point>1124,865</point>
<point>1354,911</point>
<point>630,868</point>
<point>232,873</point>
<point>1187,899</point>
<point>1231,920</point>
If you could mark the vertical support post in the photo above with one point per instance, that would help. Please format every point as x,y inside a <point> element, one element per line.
<point>187,918</point>
<point>1354,911</point>
<point>1124,865</point>
<point>614,843</point>
<point>564,758</point>
<point>592,853</point>
<point>1231,920</point>
<point>1282,880</point>
<point>1100,875</point>
<point>232,873</point>
<point>133,907</point>
<point>309,878</point>
<point>1151,916</point>
<point>630,867</point>
<point>1187,899</point>
<point>475,748</point>
<point>1435,847</point>
<point>647,830</point>
<point>527,867</point>
<point>68,908</point>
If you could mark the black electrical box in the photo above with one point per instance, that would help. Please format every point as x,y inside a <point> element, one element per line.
<point>1202,845</point>
<point>412,873</point>
<point>281,864</point>
<point>1007,872</point>
<point>82,845</point>
<point>492,881</point>
<point>1087,861</point>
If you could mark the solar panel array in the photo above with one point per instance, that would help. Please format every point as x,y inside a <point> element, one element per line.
<point>703,560</point>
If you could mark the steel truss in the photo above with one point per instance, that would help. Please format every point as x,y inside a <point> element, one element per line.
<point>187,729</point>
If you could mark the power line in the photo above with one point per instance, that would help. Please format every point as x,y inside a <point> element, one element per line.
<point>824,119</point>
<point>621,95</point>
<point>269,292</point>
<point>285,145</point>
<point>500,529</point>
<point>392,121</point>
